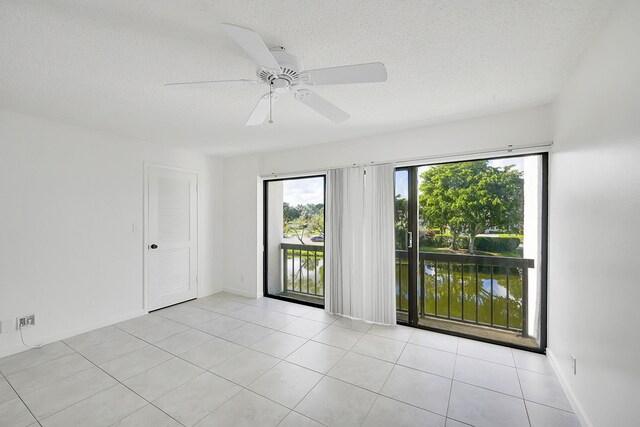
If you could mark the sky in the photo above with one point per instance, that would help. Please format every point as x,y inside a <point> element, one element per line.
<point>311,190</point>
<point>303,191</point>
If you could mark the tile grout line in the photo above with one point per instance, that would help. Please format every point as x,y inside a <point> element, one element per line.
<point>304,367</point>
<point>73,350</point>
<point>302,415</point>
<point>549,406</point>
<point>21,400</point>
<point>390,397</point>
<point>37,364</point>
<point>205,371</point>
<point>489,389</point>
<point>453,375</point>
<point>118,382</point>
<point>58,380</point>
<point>524,402</point>
<point>324,375</point>
<point>395,364</point>
<point>230,314</point>
<point>387,378</point>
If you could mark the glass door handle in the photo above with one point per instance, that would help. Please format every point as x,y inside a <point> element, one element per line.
<point>409,239</point>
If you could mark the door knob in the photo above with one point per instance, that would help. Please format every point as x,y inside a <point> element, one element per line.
<point>154,246</point>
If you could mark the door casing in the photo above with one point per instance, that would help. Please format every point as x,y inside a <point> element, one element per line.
<point>146,242</point>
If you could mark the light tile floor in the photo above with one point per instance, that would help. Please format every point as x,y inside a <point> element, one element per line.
<point>227,360</point>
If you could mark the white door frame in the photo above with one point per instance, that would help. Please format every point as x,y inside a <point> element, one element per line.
<point>145,220</point>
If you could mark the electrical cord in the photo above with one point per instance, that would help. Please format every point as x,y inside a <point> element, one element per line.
<point>24,343</point>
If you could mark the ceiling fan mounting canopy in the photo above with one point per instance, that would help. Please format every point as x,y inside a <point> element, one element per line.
<point>284,72</point>
<point>289,72</point>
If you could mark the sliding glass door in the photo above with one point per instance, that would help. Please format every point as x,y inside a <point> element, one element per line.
<point>470,248</point>
<point>404,244</point>
<point>294,239</point>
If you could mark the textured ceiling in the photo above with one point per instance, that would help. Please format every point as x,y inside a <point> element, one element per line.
<point>102,64</point>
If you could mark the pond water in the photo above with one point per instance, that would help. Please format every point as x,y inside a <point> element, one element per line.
<point>451,291</point>
<point>468,293</point>
<point>306,274</point>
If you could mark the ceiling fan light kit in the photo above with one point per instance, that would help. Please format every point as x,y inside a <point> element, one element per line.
<point>284,73</point>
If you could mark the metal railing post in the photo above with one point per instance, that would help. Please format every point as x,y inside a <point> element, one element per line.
<point>296,252</point>
<point>474,262</point>
<point>525,301</point>
<point>285,268</point>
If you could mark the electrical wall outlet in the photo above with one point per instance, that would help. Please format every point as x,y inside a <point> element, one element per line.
<point>25,321</point>
<point>573,364</point>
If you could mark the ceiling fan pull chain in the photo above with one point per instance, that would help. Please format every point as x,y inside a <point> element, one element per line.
<point>270,97</point>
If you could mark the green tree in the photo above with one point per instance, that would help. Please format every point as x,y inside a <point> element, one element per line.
<point>401,221</point>
<point>299,227</point>
<point>289,212</point>
<point>316,222</point>
<point>470,197</point>
<point>303,219</point>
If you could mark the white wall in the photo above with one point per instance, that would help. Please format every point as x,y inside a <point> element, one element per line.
<point>275,228</point>
<point>243,189</point>
<point>594,203</point>
<point>243,226</point>
<point>69,197</point>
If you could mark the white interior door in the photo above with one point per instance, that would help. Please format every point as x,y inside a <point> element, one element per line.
<point>172,233</point>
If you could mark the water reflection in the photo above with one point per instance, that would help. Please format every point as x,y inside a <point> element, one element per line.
<point>450,290</point>
<point>305,274</point>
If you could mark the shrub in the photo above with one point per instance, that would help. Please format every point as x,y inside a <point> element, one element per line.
<point>442,240</point>
<point>496,244</point>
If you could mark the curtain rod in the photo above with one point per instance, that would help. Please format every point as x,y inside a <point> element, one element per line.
<point>523,149</point>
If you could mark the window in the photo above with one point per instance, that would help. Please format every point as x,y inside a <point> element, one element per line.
<point>294,239</point>
<point>471,247</point>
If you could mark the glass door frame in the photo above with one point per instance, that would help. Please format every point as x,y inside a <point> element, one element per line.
<point>413,250</point>
<point>412,244</point>
<point>265,234</point>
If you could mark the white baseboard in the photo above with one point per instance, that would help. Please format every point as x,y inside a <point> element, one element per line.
<point>61,335</point>
<point>213,292</point>
<point>575,404</point>
<point>242,293</point>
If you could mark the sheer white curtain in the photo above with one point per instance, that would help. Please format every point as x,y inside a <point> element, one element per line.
<point>359,247</point>
<point>344,281</point>
<point>379,244</point>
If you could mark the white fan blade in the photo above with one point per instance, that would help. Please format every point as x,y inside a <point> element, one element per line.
<point>261,111</point>
<point>321,105</point>
<point>361,73</point>
<point>251,42</point>
<point>184,85</point>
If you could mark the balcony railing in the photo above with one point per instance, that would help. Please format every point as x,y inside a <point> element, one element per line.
<point>481,290</point>
<point>303,267</point>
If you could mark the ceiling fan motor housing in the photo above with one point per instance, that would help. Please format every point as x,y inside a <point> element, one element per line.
<point>290,65</point>
<point>284,73</point>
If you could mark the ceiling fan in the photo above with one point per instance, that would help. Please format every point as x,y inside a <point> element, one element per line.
<point>284,73</point>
